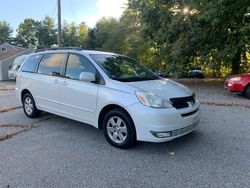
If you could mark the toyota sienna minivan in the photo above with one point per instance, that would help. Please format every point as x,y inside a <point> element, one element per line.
<point>108,91</point>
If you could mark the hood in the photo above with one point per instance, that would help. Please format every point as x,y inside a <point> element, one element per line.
<point>164,88</point>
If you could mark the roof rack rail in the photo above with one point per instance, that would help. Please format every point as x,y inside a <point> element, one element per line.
<point>58,48</point>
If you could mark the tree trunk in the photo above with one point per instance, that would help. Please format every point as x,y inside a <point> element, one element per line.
<point>236,62</point>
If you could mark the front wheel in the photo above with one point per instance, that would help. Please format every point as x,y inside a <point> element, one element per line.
<point>119,129</point>
<point>247,92</point>
<point>29,106</point>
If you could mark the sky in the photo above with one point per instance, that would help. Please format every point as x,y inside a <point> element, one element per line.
<point>89,11</point>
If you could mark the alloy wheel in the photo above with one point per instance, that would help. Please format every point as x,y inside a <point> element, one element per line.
<point>117,129</point>
<point>28,105</point>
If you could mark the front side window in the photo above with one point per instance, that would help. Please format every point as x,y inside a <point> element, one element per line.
<point>122,68</point>
<point>51,64</point>
<point>78,64</point>
<point>17,62</point>
<point>31,63</point>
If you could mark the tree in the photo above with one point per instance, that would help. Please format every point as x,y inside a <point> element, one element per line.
<point>27,33</point>
<point>91,39</point>
<point>83,35</point>
<point>157,21</point>
<point>213,32</point>
<point>106,35</point>
<point>46,33</point>
<point>134,43</point>
<point>5,32</point>
<point>70,34</point>
<point>226,25</point>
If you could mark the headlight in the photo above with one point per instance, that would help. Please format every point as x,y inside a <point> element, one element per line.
<point>152,100</point>
<point>235,79</point>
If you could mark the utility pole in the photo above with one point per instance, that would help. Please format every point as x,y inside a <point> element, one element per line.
<point>59,32</point>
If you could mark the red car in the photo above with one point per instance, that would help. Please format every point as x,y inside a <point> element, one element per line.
<point>239,83</point>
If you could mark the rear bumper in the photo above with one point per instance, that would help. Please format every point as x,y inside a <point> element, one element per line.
<point>234,87</point>
<point>174,122</point>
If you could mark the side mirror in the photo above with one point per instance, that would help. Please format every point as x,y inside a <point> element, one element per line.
<point>87,77</point>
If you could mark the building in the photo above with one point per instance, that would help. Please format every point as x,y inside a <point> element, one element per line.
<point>8,53</point>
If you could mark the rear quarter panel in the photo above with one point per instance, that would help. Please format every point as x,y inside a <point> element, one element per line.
<point>22,82</point>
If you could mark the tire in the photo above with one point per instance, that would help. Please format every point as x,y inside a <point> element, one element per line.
<point>119,129</point>
<point>247,92</point>
<point>29,106</point>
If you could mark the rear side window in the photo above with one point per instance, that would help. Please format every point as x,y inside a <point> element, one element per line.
<point>78,64</point>
<point>51,64</point>
<point>31,63</point>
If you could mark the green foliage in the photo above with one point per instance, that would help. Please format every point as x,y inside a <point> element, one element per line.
<point>215,32</point>
<point>83,35</point>
<point>70,34</point>
<point>27,33</point>
<point>106,35</point>
<point>46,33</point>
<point>172,36</point>
<point>91,39</point>
<point>226,26</point>
<point>5,32</point>
<point>75,35</point>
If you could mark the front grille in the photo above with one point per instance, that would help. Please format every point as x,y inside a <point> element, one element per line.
<point>182,102</point>
<point>184,130</point>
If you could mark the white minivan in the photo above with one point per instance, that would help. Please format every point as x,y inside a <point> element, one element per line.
<point>109,91</point>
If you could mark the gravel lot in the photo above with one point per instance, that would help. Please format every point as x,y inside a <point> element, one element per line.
<point>53,151</point>
<point>212,91</point>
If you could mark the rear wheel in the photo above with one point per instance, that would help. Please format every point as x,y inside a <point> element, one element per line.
<point>29,106</point>
<point>247,92</point>
<point>119,129</point>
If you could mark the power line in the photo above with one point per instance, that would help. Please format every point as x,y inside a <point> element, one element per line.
<point>54,10</point>
<point>72,10</point>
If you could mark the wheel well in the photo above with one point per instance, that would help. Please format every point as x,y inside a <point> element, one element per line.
<point>106,109</point>
<point>23,93</point>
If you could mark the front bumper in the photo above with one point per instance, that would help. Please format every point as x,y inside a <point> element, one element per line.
<point>177,122</point>
<point>12,77</point>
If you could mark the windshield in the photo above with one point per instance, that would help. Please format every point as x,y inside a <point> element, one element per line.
<point>14,67</point>
<point>122,68</point>
<point>17,62</point>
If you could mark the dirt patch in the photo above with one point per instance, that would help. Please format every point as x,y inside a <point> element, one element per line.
<point>14,130</point>
<point>226,104</point>
<point>9,130</point>
<point>7,109</point>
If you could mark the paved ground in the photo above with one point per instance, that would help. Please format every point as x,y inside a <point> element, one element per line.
<point>7,85</point>
<point>212,91</point>
<point>8,99</point>
<point>57,152</point>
